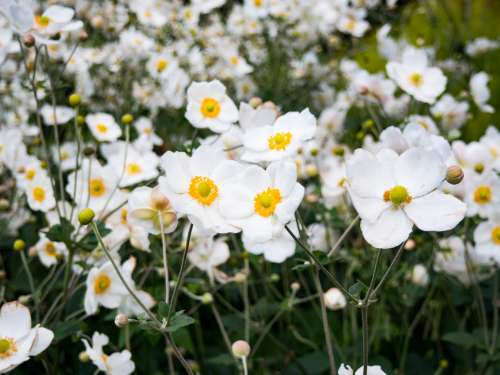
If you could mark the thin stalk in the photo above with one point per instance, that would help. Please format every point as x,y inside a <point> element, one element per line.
<point>223,332</point>
<point>31,284</point>
<point>494,333</point>
<point>323,268</point>
<point>246,302</point>
<point>389,269</point>
<point>364,320</point>
<point>165,263</point>
<point>343,236</point>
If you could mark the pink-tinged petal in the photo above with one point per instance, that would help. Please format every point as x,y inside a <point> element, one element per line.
<point>420,171</point>
<point>391,229</point>
<point>436,211</point>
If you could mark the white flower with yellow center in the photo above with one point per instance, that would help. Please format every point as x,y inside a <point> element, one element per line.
<point>139,166</point>
<point>414,76</point>
<point>280,140</point>
<point>147,137</point>
<point>209,107</point>
<point>49,252</point>
<point>56,115</point>
<point>161,66</point>
<point>30,170</point>
<point>333,181</point>
<point>18,341</point>
<point>482,194</point>
<point>193,185</point>
<point>473,157</point>
<point>55,19</point>
<point>40,195</point>
<point>103,127</point>
<point>260,201</point>
<point>392,193</point>
<point>119,363</point>
<point>104,287</point>
<point>487,239</point>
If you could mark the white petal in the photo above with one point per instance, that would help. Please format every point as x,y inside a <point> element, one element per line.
<point>368,208</point>
<point>42,340</point>
<point>176,167</point>
<point>436,211</point>
<point>15,320</point>
<point>391,229</point>
<point>283,176</point>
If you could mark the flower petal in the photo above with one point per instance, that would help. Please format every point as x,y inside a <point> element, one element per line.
<point>390,230</point>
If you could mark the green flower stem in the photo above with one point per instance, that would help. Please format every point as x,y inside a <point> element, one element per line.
<point>165,261</point>
<point>343,236</point>
<point>388,270</point>
<point>31,284</point>
<point>323,268</point>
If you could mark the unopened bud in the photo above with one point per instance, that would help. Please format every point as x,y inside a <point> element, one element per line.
<point>410,245</point>
<point>4,204</point>
<point>28,40</point>
<point>74,100</point>
<point>88,151</point>
<point>127,119</point>
<point>86,216</point>
<point>19,245</point>
<point>83,36</point>
<point>3,275</point>
<point>368,124</point>
<point>338,151</point>
<point>240,349</point>
<point>159,201</point>
<point>121,320</point>
<point>275,277</point>
<point>80,120</point>
<point>295,286</point>
<point>454,175</point>
<point>83,357</point>
<point>207,298</point>
<point>255,102</point>
<point>334,299</point>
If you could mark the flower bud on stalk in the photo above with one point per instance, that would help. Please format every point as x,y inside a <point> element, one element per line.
<point>454,175</point>
<point>74,100</point>
<point>240,349</point>
<point>28,40</point>
<point>121,320</point>
<point>19,245</point>
<point>86,216</point>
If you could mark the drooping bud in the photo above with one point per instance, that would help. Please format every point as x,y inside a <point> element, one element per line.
<point>159,201</point>
<point>295,286</point>
<point>86,216</point>
<point>255,102</point>
<point>334,299</point>
<point>83,36</point>
<point>121,320</point>
<point>240,349</point>
<point>28,40</point>
<point>454,175</point>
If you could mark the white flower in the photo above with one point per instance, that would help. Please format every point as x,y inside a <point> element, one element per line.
<point>419,275</point>
<point>372,370</point>
<point>317,236</point>
<point>269,142</point>
<point>425,122</point>
<point>207,253</point>
<point>122,230</point>
<point>452,259</point>
<point>19,13</point>
<point>206,6</point>
<point>118,363</point>
<point>392,193</point>
<point>261,202</point>
<point>40,195</point>
<point>149,209</point>
<point>30,170</point>
<point>451,113</point>
<point>49,251</point>
<point>280,247</point>
<point>56,115</point>
<point>147,137</point>
<point>334,299</point>
<point>193,185</point>
<point>18,341</point>
<point>103,127</point>
<point>55,19</point>
<point>333,181</point>
<point>473,157</point>
<point>491,139</point>
<point>482,194</point>
<point>352,22</point>
<point>209,106</point>
<point>68,153</point>
<point>415,77</point>
<point>480,91</point>
<point>487,239</point>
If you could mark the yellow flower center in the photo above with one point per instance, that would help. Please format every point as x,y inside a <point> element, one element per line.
<point>479,167</point>
<point>279,141</point>
<point>210,107</point>
<point>203,189</point>
<point>123,216</point>
<point>39,194</point>
<point>265,202</point>
<point>397,195</point>
<point>161,64</point>
<point>134,168</point>
<point>234,60</point>
<point>482,194</point>
<point>42,21</point>
<point>50,249</point>
<point>97,188</point>
<point>495,235</point>
<point>350,25</point>
<point>102,128</point>
<point>30,173</point>
<point>258,3</point>
<point>416,79</point>
<point>101,283</point>
<point>7,347</point>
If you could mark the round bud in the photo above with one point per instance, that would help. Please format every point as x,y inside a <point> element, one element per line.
<point>443,363</point>
<point>88,151</point>
<point>311,170</point>
<point>334,299</point>
<point>314,152</point>
<point>83,357</point>
<point>338,151</point>
<point>80,120</point>
<point>74,100</point>
<point>83,36</point>
<point>127,119</point>
<point>4,204</point>
<point>360,135</point>
<point>121,320</point>
<point>454,175</point>
<point>275,277</point>
<point>28,40</point>
<point>86,216</point>
<point>295,286</point>
<point>410,245</point>
<point>3,275</point>
<point>43,164</point>
<point>240,349</point>
<point>207,298</point>
<point>159,201</point>
<point>19,245</point>
<point>368,124</point>
<point>255,102</point>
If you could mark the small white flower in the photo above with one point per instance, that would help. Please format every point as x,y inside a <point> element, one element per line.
<point>56,115</point>
<point>207,253</point>
<point>103,127</point>
<point>487,239</point>
<point>451,113</point>
<point>419,275</point>
<point>49,251</point>
<point>118,363</point>
<point>480,91</point>
<point>209,106</point>
<point>40,195</point>
<point>415,77</point>
<point>334,299</point>
<point>18,341</point>
<point>482,194</point>
<point>372,370</point>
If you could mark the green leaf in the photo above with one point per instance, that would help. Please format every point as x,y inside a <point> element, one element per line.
<point>461,338</point>
<point>163,309</point>
<point>179,320</point>
<point>61,232</point>
<point>66,329</point>
<point>315,363</point>
<point>357,288</point>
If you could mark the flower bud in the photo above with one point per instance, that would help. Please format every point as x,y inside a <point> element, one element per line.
<point>84,357</point>
<point>454,175</point>
<point>274,277</point>
<point>159,201</point>
<point>121,320</point>
<point>3,275</point>
<point>240,349</point>
<point>88,151</point>
<point>207,298</point>
<point>74,100</point>
<point>86,216</point>
<point>19,245</point>
<point>83,36</point>
<point>24,300</point>
<point>368,124</point>
<point>295,286</point>
<point>4,204</point>
<point>80,120</point>
<point>255,102</point>
<point>127,118</point>
<point>334,299</point>
<point>28,40</point>
<point>410,245</point>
